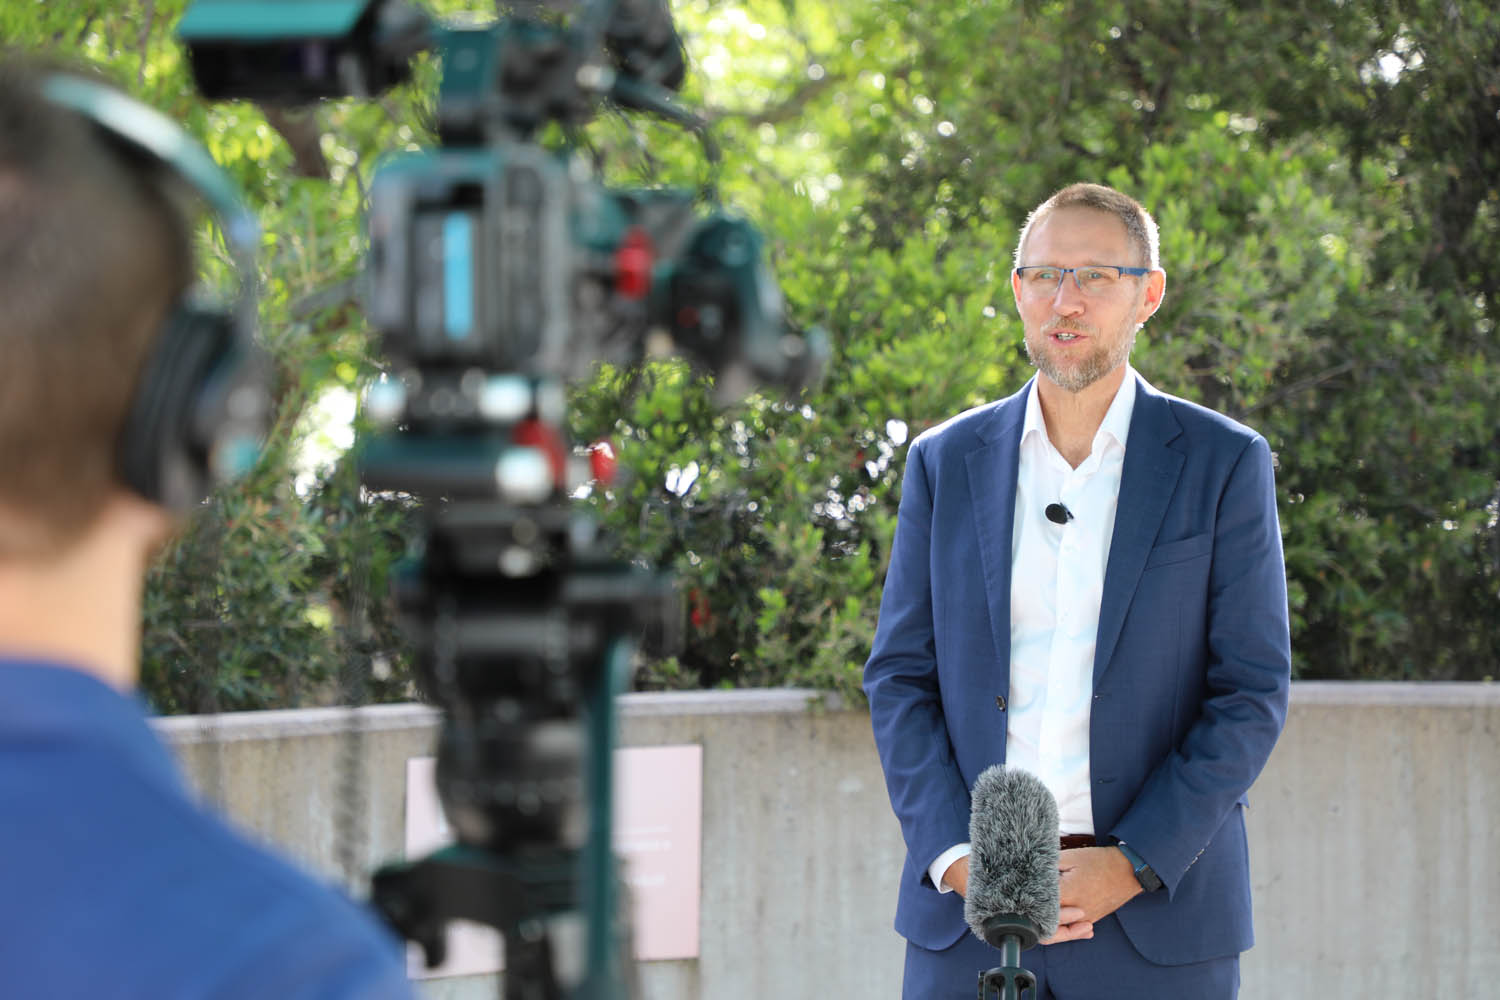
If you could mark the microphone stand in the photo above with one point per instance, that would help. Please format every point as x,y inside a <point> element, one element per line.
<point>1012,934</point>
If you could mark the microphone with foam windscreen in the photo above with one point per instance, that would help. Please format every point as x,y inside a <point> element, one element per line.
<point>1012,898</point>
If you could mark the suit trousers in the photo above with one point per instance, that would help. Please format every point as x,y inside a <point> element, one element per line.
<point>1104,967</point>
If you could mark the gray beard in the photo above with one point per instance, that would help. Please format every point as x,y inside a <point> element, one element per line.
<point>1094,367</point>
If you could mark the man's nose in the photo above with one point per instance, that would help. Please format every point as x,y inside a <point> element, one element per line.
<point>1068,300</point>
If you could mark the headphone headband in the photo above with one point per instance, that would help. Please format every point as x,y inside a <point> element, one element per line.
<point>201,406</point>
<point>145,128</point>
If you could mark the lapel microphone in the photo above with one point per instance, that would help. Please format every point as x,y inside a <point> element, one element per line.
<point>1058,514</point>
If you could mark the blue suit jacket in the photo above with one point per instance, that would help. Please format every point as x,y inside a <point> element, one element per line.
<point>1191,670</point>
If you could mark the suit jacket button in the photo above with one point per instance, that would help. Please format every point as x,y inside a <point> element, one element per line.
<point>1000,702</point>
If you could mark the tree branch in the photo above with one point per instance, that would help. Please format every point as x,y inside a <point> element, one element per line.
<point>775,114</point>
<point>144,41</point>
<point>83,32</point>
<point>299,127</point>
<point>1287,391</point>
<point>336,295</point>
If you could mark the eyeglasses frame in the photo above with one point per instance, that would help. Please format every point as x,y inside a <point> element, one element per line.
<point>1134,272</point>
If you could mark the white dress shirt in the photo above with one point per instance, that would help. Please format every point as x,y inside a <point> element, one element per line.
<point>1057,581</point>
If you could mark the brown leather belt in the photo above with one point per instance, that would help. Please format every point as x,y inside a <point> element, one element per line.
<point>1069,841</point>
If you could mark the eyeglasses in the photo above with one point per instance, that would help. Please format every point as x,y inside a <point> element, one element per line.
<point>1043,280</point>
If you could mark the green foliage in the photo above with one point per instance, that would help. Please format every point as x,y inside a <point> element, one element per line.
<point>1325,187</point>
<point>274,600</point>
<point>1324,177</point>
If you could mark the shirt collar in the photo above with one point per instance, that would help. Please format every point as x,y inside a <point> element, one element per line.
<point>1116,421</point>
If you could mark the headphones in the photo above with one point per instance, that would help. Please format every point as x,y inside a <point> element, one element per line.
<point>201,409</point>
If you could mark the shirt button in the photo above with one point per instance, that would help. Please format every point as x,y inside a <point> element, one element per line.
<point>1000,702</point>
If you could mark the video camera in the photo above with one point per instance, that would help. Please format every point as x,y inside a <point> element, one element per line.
<point>498,271</point>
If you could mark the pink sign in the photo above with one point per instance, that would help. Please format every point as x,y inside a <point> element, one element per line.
<point>658,836</point>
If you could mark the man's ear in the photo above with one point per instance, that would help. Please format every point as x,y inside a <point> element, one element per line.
<point>147,525</point>
<point>1156,291</point>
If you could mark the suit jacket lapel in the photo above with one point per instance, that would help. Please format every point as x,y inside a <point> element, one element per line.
<point>1146,485</point>
<point>992,486</point>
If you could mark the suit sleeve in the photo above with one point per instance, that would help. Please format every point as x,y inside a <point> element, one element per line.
<point>1247,681</point>
<point>927,791</point>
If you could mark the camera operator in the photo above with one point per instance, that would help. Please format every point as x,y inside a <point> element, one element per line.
<point>115,884</point>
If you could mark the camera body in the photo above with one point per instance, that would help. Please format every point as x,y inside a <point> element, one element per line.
<point>492,252</point>
<point>508,257</point>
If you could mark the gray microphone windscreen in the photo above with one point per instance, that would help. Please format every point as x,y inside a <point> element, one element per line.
<point>1014,845</point>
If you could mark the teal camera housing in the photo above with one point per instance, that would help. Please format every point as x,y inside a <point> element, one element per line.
<point>291,51</point>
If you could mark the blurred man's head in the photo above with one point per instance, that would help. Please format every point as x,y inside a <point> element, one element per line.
<point>92,254</point>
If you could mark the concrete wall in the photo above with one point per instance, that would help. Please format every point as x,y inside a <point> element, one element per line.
<point>1375,835</point>
<point>1375,845</point>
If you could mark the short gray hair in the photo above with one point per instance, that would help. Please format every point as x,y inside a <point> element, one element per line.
<point>1139,225</point>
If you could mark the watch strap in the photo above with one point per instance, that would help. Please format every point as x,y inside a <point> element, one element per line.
<point>1144,874</point>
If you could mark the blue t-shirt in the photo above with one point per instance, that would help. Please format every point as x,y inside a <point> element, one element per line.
<point>114,883</point>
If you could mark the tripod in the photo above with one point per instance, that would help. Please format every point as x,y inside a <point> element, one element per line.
<point>526,669</point>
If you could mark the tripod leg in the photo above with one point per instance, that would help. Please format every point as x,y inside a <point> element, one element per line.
<point>1008,982</point>
<point>529,972</point>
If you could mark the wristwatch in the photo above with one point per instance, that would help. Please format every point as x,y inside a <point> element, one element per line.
<point>1149,880</point>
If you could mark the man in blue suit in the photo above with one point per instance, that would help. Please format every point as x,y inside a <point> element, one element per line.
<point>1087,583</point>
